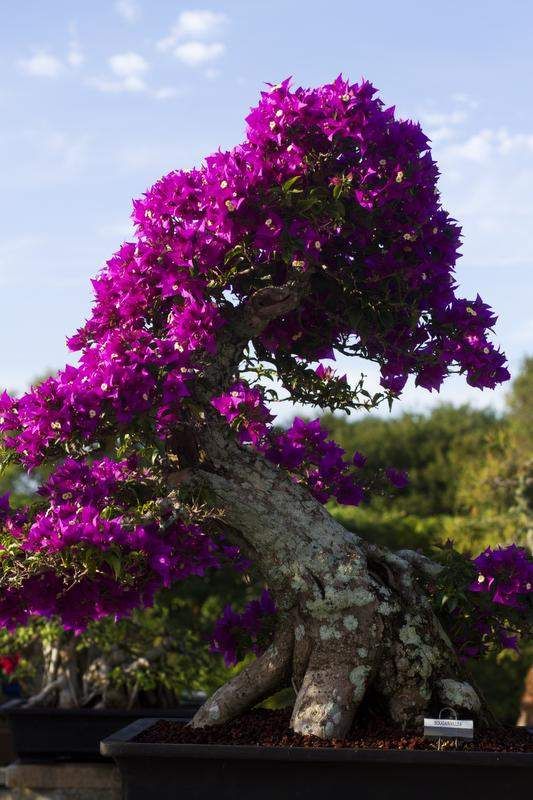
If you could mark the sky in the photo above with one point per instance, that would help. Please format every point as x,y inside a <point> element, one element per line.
<point>99,99</point>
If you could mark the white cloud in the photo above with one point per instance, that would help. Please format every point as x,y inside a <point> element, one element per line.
<point>201,23</point>
<point>75,56</point>
<point>442,126</point>
<point>442,134</point>
<point>128,70</point>
<point>126,65</point>
<point>67,152</point>
<point>129,10</point>
<point>124,230</point>
<point>43,156</point>
<point>16,250</point>
<point>487,144</point>
<point>42,65</point>
<point>486,184</point>
<point>476,148</point>
<point>486,179</point>
<point>165,93</point>
<point>195,54</point>
<point>439,119</point>
<point>194,25</point>
<point>465,100</point>
<point>196,38</point>
<point>517,142</point>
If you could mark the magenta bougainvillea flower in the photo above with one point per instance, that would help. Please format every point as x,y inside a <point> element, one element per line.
<point>506,573</point>
<point>397,477</point>
<point>236,633</point>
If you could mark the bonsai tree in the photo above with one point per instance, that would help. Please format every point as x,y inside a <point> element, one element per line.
<point>322,233</point>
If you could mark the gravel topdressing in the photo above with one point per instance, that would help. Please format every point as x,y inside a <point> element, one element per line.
<point>271,729</point>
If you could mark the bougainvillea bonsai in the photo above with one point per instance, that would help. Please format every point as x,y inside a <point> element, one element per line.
<point>322,233</point>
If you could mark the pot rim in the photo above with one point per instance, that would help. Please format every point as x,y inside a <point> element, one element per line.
<point>120,745</point>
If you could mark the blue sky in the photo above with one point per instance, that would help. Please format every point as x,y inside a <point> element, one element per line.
<point>99,99</point>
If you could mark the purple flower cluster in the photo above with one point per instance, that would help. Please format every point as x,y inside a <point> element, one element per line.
<point>245,410</point>
<point>327,374</point>
<point>474,638</point>
<point>506,574</point>
<point>237,633</point>
<point>496,611</point>
<point>397,477</point>
<point>125,372</point>
<point>391,241</point>
<point>75,603</point>
<point>318,462</point>
<point>153,554</point>
<point>304,449</point>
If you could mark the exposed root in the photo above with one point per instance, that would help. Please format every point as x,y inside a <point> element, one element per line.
<point>328,697</point>
<point>458,694</point>
<point>257,681</point>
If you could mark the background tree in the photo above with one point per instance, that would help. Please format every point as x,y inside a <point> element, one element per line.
<point>323,231</point>
<point>519,403</point>
<point>497,482</point>
<point>432,448</point>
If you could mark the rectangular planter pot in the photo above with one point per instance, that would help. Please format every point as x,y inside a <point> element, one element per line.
<point>234,772</point>
<point>73,734</point>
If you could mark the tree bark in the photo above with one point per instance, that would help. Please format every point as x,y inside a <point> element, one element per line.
<point>351,615</point>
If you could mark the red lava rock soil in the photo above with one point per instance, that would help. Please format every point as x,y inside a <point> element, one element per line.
<point>271,729</point>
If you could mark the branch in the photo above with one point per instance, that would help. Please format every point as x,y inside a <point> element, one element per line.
<point>269,303</point>
<point>245,323</point>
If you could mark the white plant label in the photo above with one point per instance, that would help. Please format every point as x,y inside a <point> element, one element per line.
<point>453,728</point>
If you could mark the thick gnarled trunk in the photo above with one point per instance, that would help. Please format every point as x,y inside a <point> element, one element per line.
<point>351,615</point>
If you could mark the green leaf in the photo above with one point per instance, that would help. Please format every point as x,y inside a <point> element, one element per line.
<point>114,562</point>
<point>235,251</point>
<point>287,186</point>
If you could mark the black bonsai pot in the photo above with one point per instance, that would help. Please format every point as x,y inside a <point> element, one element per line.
<point>235,772</point>
<point>72,734</point>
